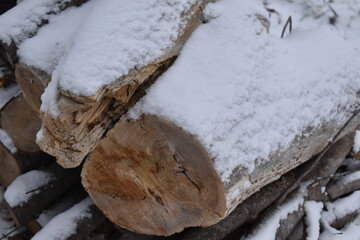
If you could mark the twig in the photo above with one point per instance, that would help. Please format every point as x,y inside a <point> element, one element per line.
<point>288,22</point>
<point>7,234</point>
<point>41,187</point>
<point>311,166</point>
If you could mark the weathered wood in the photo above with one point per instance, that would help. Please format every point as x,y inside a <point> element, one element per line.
<point>21,123</point>
<point>131,144</point>
<point>320,175</point>
<point>15,164</point>
<point>32,83</point>
<point>164,190</point>
<point>248,211</point>
<point>299,232</point>
<point>337,188</point>
<point>84,119</point>
<point>45,196</point>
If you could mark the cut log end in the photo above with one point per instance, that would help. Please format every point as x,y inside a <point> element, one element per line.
<point>10,168</point>
<point>157,178</point>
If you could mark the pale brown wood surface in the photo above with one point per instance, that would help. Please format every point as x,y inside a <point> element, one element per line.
<point>153,178</point>
<point>21,123</point>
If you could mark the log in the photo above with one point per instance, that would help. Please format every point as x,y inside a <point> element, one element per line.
<point>319,175</point>
<point>30,16</point>
<point>15,164</point>
<point>84,119</point>
<point>299,232</point>
<point>344,185</point>
<point>21,123</point>
<point>151,162</point>
<point>32,83</point>
<point>84,216</point>
<point>42,189</point>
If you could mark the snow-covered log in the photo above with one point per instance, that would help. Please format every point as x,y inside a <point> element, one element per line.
<point>23,21</point>
<point>75,223</point>
<point>21,123</point>
<point>152,163</point>
<point>31,193</point>
<point>343,185</point>
<point>139,41</point>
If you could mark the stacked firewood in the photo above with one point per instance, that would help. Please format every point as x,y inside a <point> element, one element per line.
<point>148,174</point>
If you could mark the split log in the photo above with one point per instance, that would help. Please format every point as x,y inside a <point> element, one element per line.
<point>15,164</point>
<point>344,185</point>
<point>21,123</point>
<point>84,119</point>
<point>24,204</point>
<point>85,216</point>
<point>152,163</point>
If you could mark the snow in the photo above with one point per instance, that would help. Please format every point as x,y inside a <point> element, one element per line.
<point>22,188</point>
<point>267,229</point>
<point>6,94</point>
<point>350,232</point>
<point>6,140</point>
<point>342,207</point>
<point>135,34</point>
<point>63,225</point>
<point>356,147</point>
<point>339,209</point>
<point>351,177</point>
<point>313,214</point>
<point>22,20</point>
<point>46,216</point>
<point>45,49</point>
<point>246,94</point>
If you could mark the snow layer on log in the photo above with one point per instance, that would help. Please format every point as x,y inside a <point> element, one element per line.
<point>6,140</point>
<point>24,186</point>
<point>64,225</point>
<point>25,18</point>
<point>8,93</point>
<point>236,89</point>
<point>44,50</point>
<point>267,229</point>
<point>350,232</point>
<point>341,207</point>
<point>136,33</point>
<point>313,214</point>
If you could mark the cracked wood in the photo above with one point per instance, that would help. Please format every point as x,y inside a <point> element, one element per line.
<point>151,177</point>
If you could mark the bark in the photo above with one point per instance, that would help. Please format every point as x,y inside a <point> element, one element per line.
<point>45,196</point>
<point>15,164</point>
<point>320,175</point>
<point>337,188</point>
<point>159,162</point>
<point>84,120</point>
<point>21,123</point>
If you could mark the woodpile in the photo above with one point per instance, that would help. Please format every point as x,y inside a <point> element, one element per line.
<point>117,176</point>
